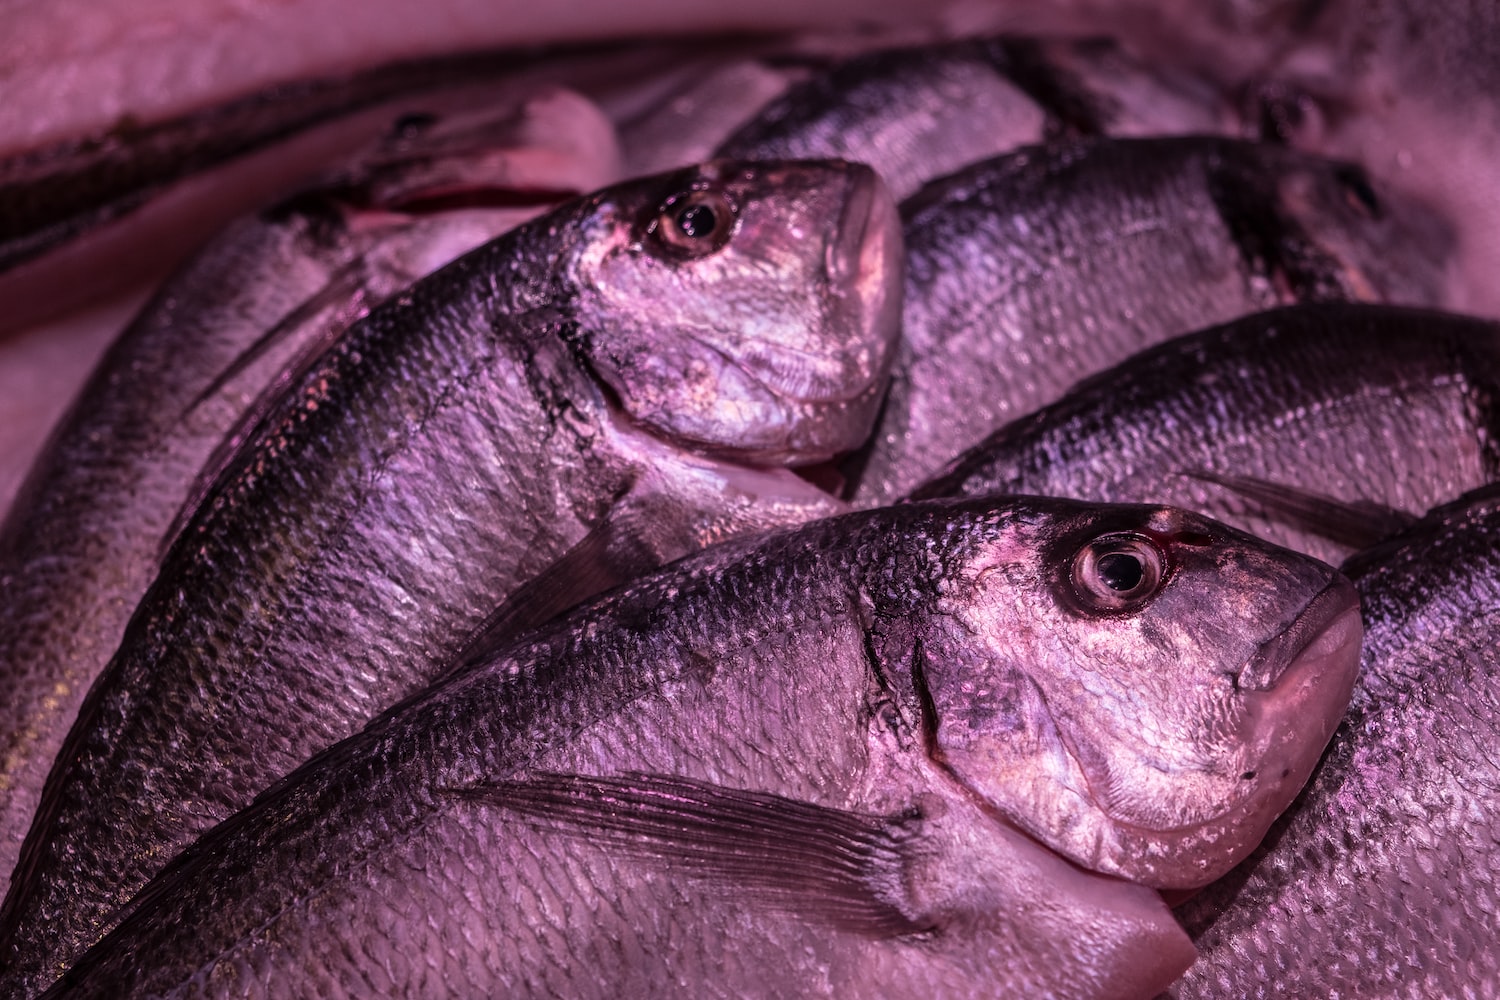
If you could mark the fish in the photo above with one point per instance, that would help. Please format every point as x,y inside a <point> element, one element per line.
<point>921,112</point>
<point>606,387</point>
<point>1029,272</point>
<point>1409,90</point>
<point>1325,397</point>
<point>83,542</point>
<point>1380,879</point>
<point>73,73</point>
<point>939,749</point>
<point>84,220</point>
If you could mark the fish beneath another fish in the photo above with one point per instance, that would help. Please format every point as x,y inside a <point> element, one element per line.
<point>1381,880</point>
<point>1236,420</point>
<point>795,765</point>
<point>1031,271</point>
<point>84,539</point>
<point>612,385</point>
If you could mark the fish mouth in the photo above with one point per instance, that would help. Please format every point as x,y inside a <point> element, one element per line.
<point>1326,635</point>
<point>844,256</point>
<point>864,270</point>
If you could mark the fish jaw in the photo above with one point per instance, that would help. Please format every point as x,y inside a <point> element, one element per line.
<point>1126,739</point>
<point>1296,688</point>
<point>773,347</point>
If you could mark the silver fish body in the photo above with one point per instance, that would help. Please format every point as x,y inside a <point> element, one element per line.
<point>1322,398</point>
<point>919,113</point>
<point>1380,881</point>
<point>1029,272</point>
<point>795,765</point>
<point>81,545</point>
<point>530,399</point>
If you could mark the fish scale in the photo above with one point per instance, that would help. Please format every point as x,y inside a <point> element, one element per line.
<point>722,780</point>
<point>1317,397</point>
<point>435,418</point>
<point>1031,271</point>
<point>1380,879</point>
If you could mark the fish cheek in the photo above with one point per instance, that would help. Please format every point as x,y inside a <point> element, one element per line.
<point>659,326</point>
<point>989,726</point>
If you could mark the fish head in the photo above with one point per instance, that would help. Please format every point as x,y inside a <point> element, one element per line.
<point>1156,698</point>
<point>749,310</point>
<point>1389,245</point>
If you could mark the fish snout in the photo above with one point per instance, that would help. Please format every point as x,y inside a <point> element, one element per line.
<point>1324,639</point>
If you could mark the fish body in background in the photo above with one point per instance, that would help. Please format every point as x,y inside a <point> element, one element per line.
<point>1409,89</point>
<point>922,112</point>
<point>1380,881</point>
<point>1329,399</point>
<point>611,385</point>
<point>1028,272</point>
<point>82,544</point>
<point>795,765</point>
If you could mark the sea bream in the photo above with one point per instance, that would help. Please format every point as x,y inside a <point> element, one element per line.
<point>921,112</point>
<point>609,386</point>
<point>81,545</point>
<point>1028,272</point>
<point>1381,880</point>
<point>1390,409</point>
<point>843,760</point>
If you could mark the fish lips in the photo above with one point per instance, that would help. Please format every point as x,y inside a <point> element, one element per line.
<point>1295,689</point>
<point>791,367</point>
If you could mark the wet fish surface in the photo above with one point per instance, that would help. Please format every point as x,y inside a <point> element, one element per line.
<point>796,765</point>
<point>922,112</point>
<point>1323,398</point>
<point>1380,881</point>
<point>1031,271</point>
<point>610,385</point>
<point>82,544</point>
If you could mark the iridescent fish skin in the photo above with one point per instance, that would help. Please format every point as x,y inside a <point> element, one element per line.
<point>922,112</point>
<point>791,766</point>
<point>512,407</point>
<point>1380,881</point>
<point>82,543</point>
<point>1031,271</point>
<point>1321,398</point>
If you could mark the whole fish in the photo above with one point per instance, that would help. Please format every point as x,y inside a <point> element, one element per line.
<point>81,545</point>
<point>1322,398</point>
<point>1381,879</point>
<point>795,765</point>
<point>592,388</point>
<point>1029,272</point>
<point>922,112</point>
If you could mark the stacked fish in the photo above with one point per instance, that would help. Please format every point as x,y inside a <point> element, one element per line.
<point>746,532</point>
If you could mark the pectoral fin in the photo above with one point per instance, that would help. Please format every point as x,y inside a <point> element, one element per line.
<point>605,558</point>
<point>1356,524</point>
<point>841,867</point>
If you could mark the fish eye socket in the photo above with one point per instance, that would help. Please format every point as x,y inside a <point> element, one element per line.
<point>694,224</point>
<point>1118,572</point>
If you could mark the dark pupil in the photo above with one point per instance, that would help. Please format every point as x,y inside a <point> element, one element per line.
<point>1121,571</point>
<point>412,124</point>
<point>1358,188</point>
<point>696,221</point>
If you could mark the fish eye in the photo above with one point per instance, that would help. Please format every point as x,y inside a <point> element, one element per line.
<point>1358,193</point>
<point>694,223</point>
<point>1118,572</point>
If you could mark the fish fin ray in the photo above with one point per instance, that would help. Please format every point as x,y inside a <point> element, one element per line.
<point>344,286</point>
<point>605,558</point>
<point>1357,524</point>
<point>839,866</point>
